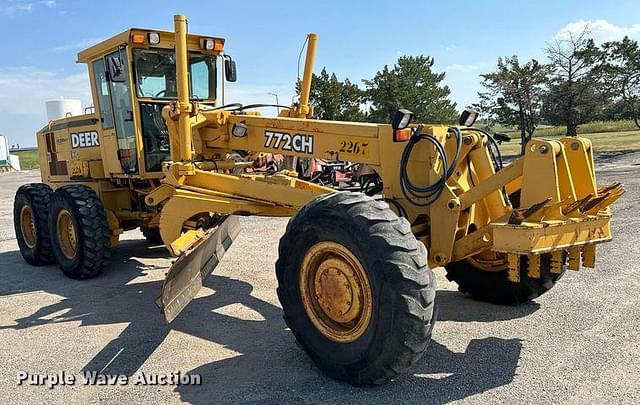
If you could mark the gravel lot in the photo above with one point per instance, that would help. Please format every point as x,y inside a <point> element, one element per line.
<point>577,344</point>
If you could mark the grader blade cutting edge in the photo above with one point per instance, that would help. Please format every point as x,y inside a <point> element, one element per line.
<point>186,276</point>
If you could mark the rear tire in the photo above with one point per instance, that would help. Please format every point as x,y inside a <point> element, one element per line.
<point>392,263</point>
<point>80,234</point>
<point>30,220</point>
<point>495,287</point>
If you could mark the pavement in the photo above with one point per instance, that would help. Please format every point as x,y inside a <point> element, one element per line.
<point>577,344</point>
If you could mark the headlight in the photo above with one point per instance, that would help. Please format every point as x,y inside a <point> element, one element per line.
<point>208,44</point>
<point>154,38</point>
<point>402,119</point>
<point>468,117</point>
<point>239,129</point>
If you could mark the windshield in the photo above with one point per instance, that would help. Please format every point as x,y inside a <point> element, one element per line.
<point>156,74</point>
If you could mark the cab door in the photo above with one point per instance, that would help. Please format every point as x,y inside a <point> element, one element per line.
<point>121,104</point>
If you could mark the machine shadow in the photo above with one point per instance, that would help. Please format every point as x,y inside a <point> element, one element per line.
<point>272,368</point>
<point>263,362</point>
<point>457,307</point>
<point>113,297</point>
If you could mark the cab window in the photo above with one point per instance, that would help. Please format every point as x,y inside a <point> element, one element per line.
<point>102,89</point>
<point>155,71</point>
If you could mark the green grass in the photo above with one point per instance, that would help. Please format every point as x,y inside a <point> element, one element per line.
<point>594,127</point>
<point>607,136</point>
<point>28,159</point>
<point>621,141</point>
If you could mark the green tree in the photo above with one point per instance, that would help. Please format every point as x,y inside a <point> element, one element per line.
<point>575,93</point>
<point>621,71</point>
<point>486,119</point>
<point>514,94</point>
<point>411,84</point>
<point>336,100</point>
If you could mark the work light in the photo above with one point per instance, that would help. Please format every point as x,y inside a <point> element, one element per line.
<point>208,44</point>
<point>468,117</point>
<point>402,119</point>
<point>239,129</point>
<point>154,38</point>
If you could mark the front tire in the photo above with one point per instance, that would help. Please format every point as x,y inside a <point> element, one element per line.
<point>355,288</point>
<point>80,234</point>
<point>30,213</point>
<point>494,286</point>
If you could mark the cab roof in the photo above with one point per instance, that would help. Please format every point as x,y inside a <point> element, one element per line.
<point>167,40</point>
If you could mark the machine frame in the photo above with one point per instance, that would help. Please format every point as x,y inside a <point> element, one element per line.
<point>354,272</point>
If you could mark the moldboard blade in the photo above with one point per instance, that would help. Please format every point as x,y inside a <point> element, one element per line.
<point>187,274</point>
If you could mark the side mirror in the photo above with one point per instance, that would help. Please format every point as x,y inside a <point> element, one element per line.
<point>230,69</point>
<point>117,69</point>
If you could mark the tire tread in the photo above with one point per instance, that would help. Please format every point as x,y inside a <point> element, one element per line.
<point>95,235</point>
<point>401,259</point>
<point>38,196</point>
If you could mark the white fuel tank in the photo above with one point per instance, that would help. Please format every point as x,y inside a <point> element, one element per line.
<point>63,107</point>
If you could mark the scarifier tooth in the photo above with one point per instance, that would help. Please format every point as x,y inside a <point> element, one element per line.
<point>514,267</point>
<point>556,261</point>
<point>574,258</point>
<point>612,186</point>
<point>577,205</point>
<point>533,270</point>
<point>520,215</point>
<point>609,198</point>
<point>589,256</point>
<point>594,202</point>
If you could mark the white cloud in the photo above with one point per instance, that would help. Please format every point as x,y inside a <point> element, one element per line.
<point>13,7</point>
<point>461,68</point>
<point>23,96</point>
<point>600,30</point>
<point>77,45</point>
<point>25,89</point>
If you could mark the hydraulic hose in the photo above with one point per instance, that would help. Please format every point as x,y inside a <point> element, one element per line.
<point>496,156</point>
<point>429,193</point>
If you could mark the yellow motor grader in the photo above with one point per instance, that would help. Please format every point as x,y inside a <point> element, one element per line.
<point>164,153</point>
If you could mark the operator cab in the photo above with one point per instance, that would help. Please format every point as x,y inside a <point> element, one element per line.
<point>155,83</point>
<point>133,76</point>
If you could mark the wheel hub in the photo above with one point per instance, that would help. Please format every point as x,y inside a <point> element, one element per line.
<point>338,291</point>
<point>28,226</point>
<point>67,236</point>
<point>335,292</point>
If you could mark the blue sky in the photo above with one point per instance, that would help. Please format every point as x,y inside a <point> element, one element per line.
<point>39,41</point>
